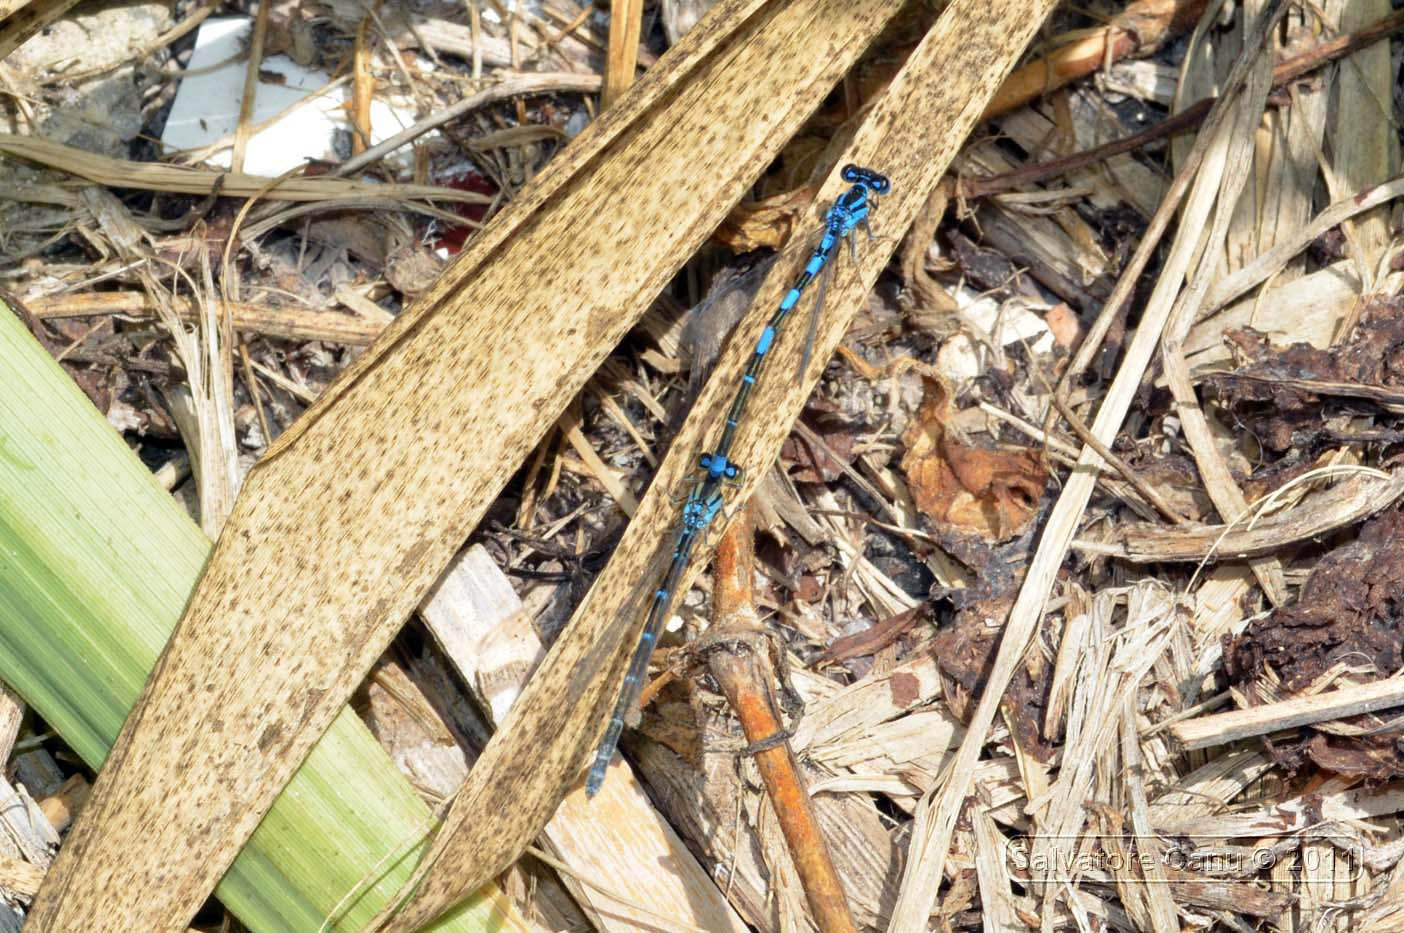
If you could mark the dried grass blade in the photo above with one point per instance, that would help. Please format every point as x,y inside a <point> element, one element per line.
<point>159,176</point>
<point>1352,501</point>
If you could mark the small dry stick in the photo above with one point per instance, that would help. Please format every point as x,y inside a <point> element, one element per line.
<point>475,25</point>
<point>295,323</point>
<point>1143,26</point>
<point>747,684</point>
<point>252,381</point>
<point>535,83</point>
<point>1289,714</point>
<point>625,22</point>
<point>566,30</point>
<point>246,106</point>
<point>362,86</point>
<point>1118,464</point>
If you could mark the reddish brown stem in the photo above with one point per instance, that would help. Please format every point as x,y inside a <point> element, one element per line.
<point>1187,119</point>
<point>1141,28</point>
<point>745,677</point>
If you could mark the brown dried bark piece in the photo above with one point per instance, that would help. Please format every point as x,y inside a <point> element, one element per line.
<point>767,223</point>
<point>1278,394</point>
<point>1350,613</point>
<point>966,649</point>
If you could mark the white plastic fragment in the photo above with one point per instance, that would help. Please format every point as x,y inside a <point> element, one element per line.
<point>206,107</point>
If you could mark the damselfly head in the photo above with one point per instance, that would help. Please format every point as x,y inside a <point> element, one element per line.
<point>856,174</point>
<point>718,466</point>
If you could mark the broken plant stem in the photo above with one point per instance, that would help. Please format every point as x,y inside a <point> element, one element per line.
<point>1341,703</point>
<point>1183,122</point>
<point>748,685</point>
<point>1118,464</point>
<point>1142,27</point>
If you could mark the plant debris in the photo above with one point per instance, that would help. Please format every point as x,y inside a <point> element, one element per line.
<point>1075,598</point>
<point>1346,626</point>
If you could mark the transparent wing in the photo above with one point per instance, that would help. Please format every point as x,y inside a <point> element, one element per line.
<point>652,601</point>
<point>808,352</point>
<point>713,319</point>
<point>711,322</point>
